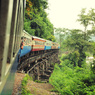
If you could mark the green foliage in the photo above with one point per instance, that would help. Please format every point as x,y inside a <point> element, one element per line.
<point>24,90</point>
<point>87,19</point>
<point>93,50</point>
<point>72,58</point>
<point>39,3</point>
<point>93,66</point>
<point>36,21</point>
<point>61,34</point>
<point>87,54</point>
<point>84,19</point>
<point>69,80</point>
<point>38,81</point>
<point>77,44</point>
<point>73,76</point>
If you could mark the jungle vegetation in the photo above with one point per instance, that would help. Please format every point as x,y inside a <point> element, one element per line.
<point>74,76</point>
<point>36,21</point>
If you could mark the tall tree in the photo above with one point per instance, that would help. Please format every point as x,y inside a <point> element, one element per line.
<point>92,20</point>
<point>92,16</point>
<point>76,44</point>
<point>62,33</point>
<point>87,19</point>
<point>36,21</point>
<point>84,19</point>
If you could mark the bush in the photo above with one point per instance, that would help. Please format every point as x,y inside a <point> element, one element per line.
<point>23,84</point>
<point>69,80</point>
<point>72,58</point>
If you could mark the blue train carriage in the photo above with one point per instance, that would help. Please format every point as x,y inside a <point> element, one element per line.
<point>48,45</point>
<point>58,46</point>
<point>26,43</point>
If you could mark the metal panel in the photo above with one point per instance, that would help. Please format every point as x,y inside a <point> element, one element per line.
<point>11,26</point>
<point>13,29</point>
<point>47,47</point>
<point>5,26</point>
<point>6,9</point>
<point>19,27</point>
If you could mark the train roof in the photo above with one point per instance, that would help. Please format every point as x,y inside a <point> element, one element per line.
<point>26,34</point>
<point>35,37</point>
<point>38,38</point>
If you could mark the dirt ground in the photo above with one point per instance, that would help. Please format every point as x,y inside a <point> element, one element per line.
<point>40,88</point>
<point>35,88</point>
<point>17,84</point>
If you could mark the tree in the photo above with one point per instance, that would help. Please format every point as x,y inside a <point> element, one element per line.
<point>84,19</point>
<point>62,33</point>
<point>36,21</point>
<point>75,42</point>
<point>87,19</point>
<point>92,20</point>
<point>92,16</point>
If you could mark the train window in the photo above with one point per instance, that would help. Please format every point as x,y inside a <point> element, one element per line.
<point>21,38</point>
<point>39,43</point>
<point>24,38</point>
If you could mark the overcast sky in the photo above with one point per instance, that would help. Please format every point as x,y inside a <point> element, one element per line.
<point>63,13</point>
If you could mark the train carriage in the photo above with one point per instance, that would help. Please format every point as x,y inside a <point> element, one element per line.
<point>53,45</point>
<point>26,42</point>
<point>32,43</point>
<point>48,45</point>
<point>38,43</point>
<point>56,45</point>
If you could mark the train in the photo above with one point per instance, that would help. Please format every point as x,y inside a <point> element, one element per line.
<point>31,43</point>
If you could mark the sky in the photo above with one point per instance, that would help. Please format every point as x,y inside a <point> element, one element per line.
<point>64,13</point>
